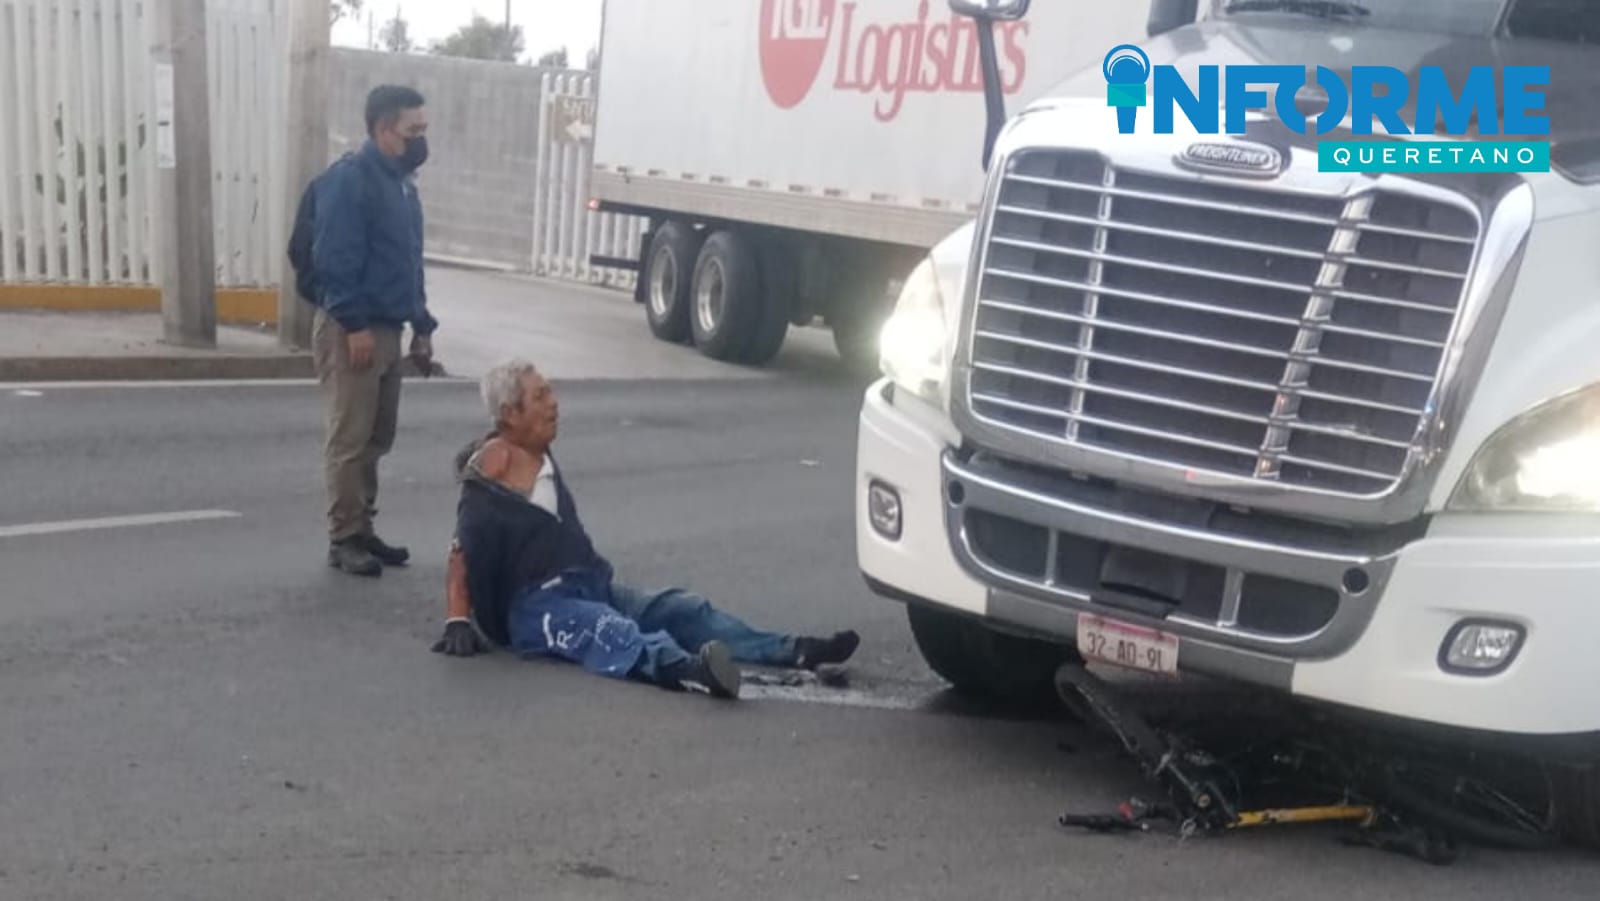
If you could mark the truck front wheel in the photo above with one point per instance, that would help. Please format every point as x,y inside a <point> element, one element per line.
<point>669,271</point>
<point>982,662</point>
<point>1579,803</point>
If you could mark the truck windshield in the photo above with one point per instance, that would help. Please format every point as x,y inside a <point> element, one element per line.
<point>1455,17</point>
<point>1568,21</point>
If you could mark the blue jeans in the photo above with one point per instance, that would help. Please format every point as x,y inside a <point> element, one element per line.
<point>628,633</point>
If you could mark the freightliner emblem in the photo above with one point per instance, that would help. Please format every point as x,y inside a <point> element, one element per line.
<point>1232,158</point>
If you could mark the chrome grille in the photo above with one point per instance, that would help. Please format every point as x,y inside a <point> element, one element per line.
<point>1232,329</point>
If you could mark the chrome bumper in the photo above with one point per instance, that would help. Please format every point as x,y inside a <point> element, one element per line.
<point>1357,576</point>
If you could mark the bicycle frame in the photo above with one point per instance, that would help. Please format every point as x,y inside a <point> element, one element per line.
<point>1366,815</point>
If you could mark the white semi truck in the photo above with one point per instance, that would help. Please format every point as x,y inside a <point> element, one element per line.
<point>797,158</point>
<point>1186,404</point>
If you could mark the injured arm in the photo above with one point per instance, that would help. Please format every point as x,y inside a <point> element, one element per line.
<point>458,600</point>
<point>461,638</point>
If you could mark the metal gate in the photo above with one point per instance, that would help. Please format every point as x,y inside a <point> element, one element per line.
<point>78,158</point>
<point>566,231</point>
<point>249,72</point>
<point>77,155</point>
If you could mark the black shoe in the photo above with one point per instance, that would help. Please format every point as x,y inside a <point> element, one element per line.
<point>713,671</point>
<point>815,652</point>
<point>386,554</point>
<point>353,558</point>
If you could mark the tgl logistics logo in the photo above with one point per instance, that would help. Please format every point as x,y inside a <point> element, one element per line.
<point>916,52</point>
<point>1375,94</point>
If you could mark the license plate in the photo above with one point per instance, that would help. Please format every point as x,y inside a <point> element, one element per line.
<point>1132,647</point>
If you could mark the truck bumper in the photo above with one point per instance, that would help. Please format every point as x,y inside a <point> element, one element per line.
<point>1381,654</point>
<point>1465,571</point>
<point>900,448</point>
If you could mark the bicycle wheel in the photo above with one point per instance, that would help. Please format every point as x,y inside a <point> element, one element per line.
<point>1084,693</point>
<point>1519,814</point>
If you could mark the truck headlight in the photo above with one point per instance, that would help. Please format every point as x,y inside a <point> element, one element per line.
<point>1546,460</point>
<point>913,346</point>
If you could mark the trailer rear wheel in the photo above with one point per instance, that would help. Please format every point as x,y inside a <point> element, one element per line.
<point>779,277</point>
<point>857,343</point>
<point>728,301</point>
<point>982,662</point>
<point>857,324</point>
<point>669,281</point>
<point>768,337</point>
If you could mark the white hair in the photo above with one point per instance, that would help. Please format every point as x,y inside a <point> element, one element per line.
<point>502,386</point>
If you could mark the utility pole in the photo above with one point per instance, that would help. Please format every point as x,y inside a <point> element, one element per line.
<point>508,29</point>
<point>310,37</point>
<point>183,170</point>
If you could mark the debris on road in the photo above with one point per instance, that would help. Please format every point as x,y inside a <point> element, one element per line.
<point>779,679</point>
<point>831,675</point>
<point>834,675</point>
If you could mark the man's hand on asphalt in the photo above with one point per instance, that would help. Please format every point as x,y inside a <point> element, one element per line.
<point>362,346</point>
<point>461,640</point>
<point>422,353</point>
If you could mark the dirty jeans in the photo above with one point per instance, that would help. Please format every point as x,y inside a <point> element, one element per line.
<point>363,412</point>
<point>633,633</point>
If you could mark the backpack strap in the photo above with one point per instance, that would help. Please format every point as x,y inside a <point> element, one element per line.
<point>301,239</point>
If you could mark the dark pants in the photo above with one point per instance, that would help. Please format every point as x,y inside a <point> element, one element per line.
<point>629,633</point>
<point>363,416</point>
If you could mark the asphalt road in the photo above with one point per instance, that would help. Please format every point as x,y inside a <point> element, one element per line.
<point>202,709</point>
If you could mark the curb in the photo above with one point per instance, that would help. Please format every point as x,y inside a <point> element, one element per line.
<point>235,306</point>
<point>218,367</point>
<point>156,368</point>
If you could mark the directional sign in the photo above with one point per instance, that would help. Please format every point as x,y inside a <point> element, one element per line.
<point>572,119</point>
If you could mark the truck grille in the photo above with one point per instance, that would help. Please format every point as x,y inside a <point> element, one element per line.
<point>1235,329</point>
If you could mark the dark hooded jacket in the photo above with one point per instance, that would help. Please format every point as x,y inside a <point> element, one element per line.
<point>513,547</point>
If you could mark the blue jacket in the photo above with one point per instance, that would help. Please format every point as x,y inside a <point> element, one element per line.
<point>514,548</point>
<point>367,249</point>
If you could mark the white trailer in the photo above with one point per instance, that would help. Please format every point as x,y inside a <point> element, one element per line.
<point>796,158</point>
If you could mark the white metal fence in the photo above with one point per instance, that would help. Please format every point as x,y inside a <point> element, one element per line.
<point>566,232</point>
<point>249,67</point>
<point>75,172</point>
<point>77,161</point>
<point>77,153</point>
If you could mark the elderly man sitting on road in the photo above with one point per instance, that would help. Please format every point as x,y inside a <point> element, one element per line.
<point>523,568</point>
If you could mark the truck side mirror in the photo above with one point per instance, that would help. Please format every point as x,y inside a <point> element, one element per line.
<point>1167,15</point>
<point>994,10</point>
<point>985,13</point>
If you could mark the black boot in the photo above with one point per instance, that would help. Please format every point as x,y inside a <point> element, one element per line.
<point>352,556</point>
<point>712,671</point>
<point>386,554</point>
<point>814,652</point>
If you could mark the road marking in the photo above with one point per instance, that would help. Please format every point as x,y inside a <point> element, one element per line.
<point>28,393</point>
<point>212,383</point>
<point>115,522</point>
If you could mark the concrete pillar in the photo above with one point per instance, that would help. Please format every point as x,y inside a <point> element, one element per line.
<point>310,36</point>
<point>183,163</point>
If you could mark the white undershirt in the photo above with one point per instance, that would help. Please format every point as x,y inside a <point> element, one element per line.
<point>544,489</point>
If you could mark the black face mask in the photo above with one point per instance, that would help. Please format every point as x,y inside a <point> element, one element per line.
<point>416,153</point>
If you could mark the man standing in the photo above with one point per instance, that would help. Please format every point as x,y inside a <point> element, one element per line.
<point>367,258</point>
